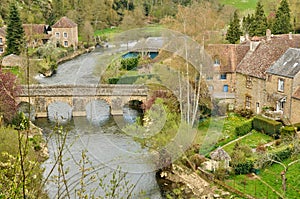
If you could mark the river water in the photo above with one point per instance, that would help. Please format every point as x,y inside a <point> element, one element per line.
<point>107,148</point>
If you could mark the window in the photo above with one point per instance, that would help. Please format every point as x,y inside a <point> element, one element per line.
<point>66,43</point>
<point>249,82</point>
<point>210,88</point>
<point>280,85</point>
<point>217,61</point>
<point>223,76</point>
<point>1,41</point>
<point>57,34</point>
<point>225,88</point>
<point>248,102</point>
<point>209,78</point>
<point>65,34</point>
<point>1,49</point>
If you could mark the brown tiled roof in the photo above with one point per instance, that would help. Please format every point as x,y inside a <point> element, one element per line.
<point>34,29</point>
<point>296,94</point>
<point>3,31</point>
<point>64,22</point>
<point>230,55</point>
<point>256,62</point>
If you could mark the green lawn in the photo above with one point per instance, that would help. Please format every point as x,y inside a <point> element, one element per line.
<point>249,185</point>
<point>252,140</point>
<point>271,175</point>
<point>218,131</point>
<point>241,5</point>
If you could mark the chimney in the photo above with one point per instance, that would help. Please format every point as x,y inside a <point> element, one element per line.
<point>290,35</point>
<point>247,37</point>
<point>268,34</point>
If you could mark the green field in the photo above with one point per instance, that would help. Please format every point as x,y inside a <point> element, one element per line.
<point>241,5</point>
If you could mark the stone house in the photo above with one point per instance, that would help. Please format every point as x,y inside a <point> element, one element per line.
<point>36,34</point>
<point>2,40</point>
<point>225,58</point>
<point>251,73</point>
<point>65,33</point>
<point>282,86</point>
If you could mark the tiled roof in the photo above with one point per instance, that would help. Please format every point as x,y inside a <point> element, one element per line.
<point>34,29</point>
<point>256,62</point>
<point>288,65</point>
<point>230,55</point>
<point>64,22</point>
<point>296,94</point>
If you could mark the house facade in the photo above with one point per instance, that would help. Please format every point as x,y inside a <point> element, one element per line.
<point>251,73</point>
<point>65,33</point>
<point>2,40</point>
<point>225,58</point>
<point>282,85</point>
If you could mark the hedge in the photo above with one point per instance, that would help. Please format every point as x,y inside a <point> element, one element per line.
<point>267,126</point>
<point>243,129</point>
<point>287,131</point>
<point>282,153</point>
<point>244,167</point>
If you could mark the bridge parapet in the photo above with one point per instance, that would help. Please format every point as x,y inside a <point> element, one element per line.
<point>85,90</point>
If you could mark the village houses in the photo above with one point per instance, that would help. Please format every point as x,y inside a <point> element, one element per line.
<point>64,33</point>
<point>252,77</point>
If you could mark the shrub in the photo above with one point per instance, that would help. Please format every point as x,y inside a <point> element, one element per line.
<point>243,129</point>
<point>129,63</point>
<point>267,126</point>
<point>287,131</point>
<point>244,167</point>
<point>282,153</point>
<point>247,113</point>
<point>297,125</point>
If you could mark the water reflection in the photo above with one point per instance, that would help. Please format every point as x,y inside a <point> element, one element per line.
<point>107,149</point>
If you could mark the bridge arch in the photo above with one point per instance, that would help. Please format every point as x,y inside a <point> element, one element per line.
<point>132,109</point>
<point>24,107</point>
<point>59,111</point>
<point>97,110</point>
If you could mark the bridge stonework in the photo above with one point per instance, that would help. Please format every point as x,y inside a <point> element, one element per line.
<point>78,96</point>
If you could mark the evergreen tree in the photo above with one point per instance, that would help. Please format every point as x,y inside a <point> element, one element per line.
<point>15,32</point>
<point>247,22</point>
<point>282,22</point>
<point>234,32</point>
<point>259,23</point>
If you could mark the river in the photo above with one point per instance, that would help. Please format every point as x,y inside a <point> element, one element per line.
<point>107,148</point>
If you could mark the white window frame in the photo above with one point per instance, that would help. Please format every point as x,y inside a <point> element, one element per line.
<point>1,49</point>
<point>248,102</point>
<point>57,35</point>
<point>65,35</point>
<point>66,42</point>
<point>280,84</point>
<point>1,40</point>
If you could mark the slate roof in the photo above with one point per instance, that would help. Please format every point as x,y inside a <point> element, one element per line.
<point>256,62</point>
<point>220,154</point>
<point>288,65</point>
<point>151,43</point>
<point>64,22</point>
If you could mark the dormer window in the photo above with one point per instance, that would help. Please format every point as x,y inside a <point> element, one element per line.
<point>65,35</point>
<point>216,61</point>
<point>57,34</point>
<point>280,85</point>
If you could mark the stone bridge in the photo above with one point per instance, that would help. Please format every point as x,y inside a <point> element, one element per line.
<point>78,96</point>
